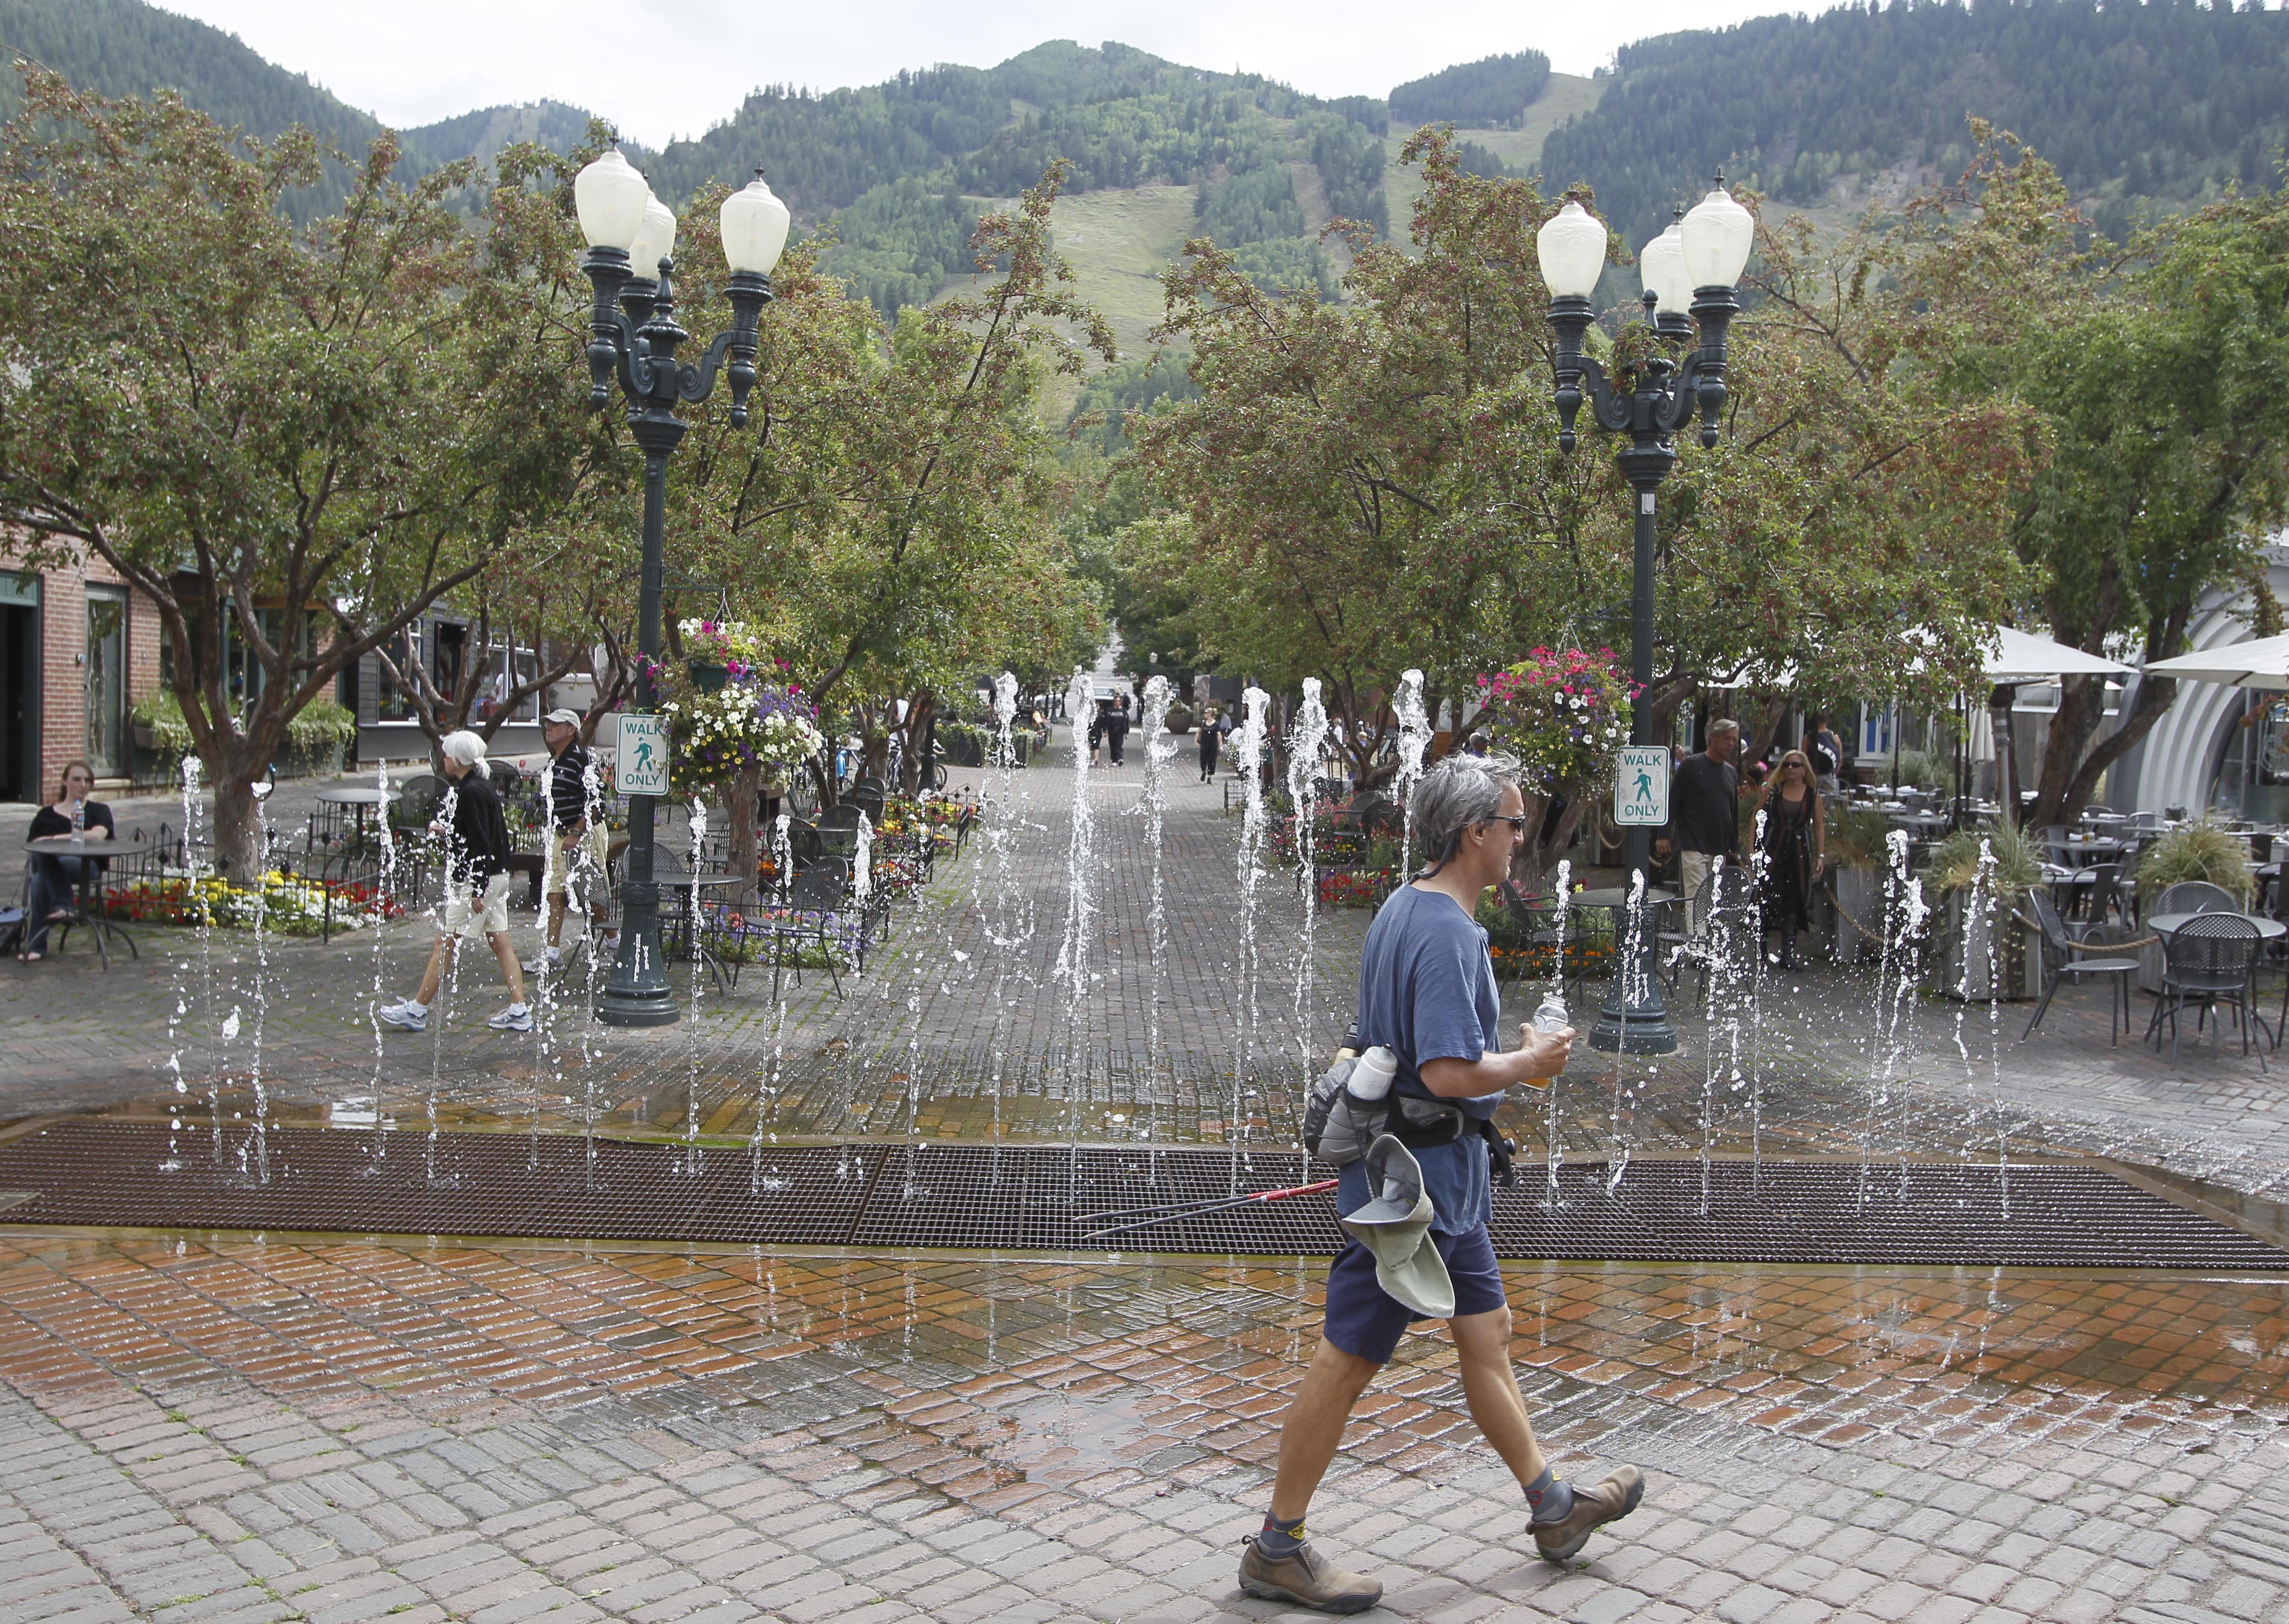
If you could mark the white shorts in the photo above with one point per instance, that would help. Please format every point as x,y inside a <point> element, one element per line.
<point>585,856</point>
<point>471,918</point>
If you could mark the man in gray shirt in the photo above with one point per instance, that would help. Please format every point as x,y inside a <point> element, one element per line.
<point>1704,812</point>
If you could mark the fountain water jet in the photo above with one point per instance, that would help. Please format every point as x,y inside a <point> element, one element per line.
<point>1414,742</point>
<point>1248,745</point>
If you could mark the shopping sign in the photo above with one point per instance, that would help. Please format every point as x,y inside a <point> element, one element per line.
<point>1641,787</point>
<point>642,766</point>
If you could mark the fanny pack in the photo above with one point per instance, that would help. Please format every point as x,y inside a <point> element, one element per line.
<point>1339,1127</point>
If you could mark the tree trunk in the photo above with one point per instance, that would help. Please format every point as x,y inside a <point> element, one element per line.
<point>742,848</point>
<point>2006,754</point>
<point>237,819</point>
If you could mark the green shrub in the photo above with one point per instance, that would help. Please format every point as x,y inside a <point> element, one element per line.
<point>321,723</point>
<point>2018,865</point>
<point>2198,850</point>
<point>1856,835</point>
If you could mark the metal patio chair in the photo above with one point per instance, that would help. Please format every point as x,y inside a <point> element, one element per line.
<point>2060,962</point>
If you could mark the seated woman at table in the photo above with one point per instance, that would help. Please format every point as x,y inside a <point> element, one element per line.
<point>54,876</point>
<point>478,880</point>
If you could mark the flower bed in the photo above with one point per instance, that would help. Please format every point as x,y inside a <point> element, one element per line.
<point>293,905</point>
<point>1355,887</point>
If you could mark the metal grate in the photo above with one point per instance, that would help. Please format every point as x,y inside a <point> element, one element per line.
<point>476,1184</point>
<point>2051,1216</point>
<point>1041,1198</point>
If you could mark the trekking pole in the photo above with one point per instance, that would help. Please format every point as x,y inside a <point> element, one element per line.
<point>1202,1209</point>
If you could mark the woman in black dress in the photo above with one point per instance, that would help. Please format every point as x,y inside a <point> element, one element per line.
<point>1793,849</point>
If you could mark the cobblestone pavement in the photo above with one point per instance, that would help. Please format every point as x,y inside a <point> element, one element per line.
<point>210,1427</point>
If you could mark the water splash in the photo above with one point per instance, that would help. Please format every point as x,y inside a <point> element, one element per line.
<point>1159,752</point>
<point>182,1005</point>
<point>1414,744</point>
<point>1248,747</point>
<point>1306,741</point>
<point>1072,968</point>
<point>1623,1121</point>
<point>1553,1151</point>
<point>259,1166</point>
<point>690,1164</point>
<point>385,888</point>
<point>767,1086</point>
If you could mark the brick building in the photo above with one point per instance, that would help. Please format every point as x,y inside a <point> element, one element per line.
<point>77,648</point>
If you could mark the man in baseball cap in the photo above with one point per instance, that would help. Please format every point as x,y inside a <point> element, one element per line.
<point>578,839</point>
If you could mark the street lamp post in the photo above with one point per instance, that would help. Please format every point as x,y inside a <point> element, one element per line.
<point>634,338</point>
<point>1693,265</point>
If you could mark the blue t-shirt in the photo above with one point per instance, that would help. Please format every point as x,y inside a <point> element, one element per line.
<point>1427,992</point>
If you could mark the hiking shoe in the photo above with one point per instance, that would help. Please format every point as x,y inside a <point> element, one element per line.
<point>513,1020</point>
<point>404,1015</point>
<point>1308,1578</point>
<point>1609,1501</point>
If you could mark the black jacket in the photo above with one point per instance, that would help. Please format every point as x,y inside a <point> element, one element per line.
<point>477,848</point>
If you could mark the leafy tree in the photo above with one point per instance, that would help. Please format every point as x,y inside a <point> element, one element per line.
<point>2157,371</point>
<point>1368,487</point>
<point>1493,90</point>
<point>885,519</point>
<point>1253,207</point>
<point>269,432</point>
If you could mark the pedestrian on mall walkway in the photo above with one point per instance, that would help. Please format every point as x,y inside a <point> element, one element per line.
<point>575,840</point>
<point>1427,993</point>
<point>1116,728</point>
<point>1211,737</point>
<point>1792,843</point>
<point>478,884</point>
<point>1704,812</point>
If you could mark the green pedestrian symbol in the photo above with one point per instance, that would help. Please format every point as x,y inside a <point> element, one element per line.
<point>1644,785</point>
<point>643,756</point>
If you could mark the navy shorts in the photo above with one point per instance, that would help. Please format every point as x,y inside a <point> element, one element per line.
<point>1365,1321</point>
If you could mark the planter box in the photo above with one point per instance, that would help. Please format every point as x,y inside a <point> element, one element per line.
<point>1959,936</point>
<point>1858,894</point>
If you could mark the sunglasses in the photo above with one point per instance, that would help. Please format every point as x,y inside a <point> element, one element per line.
<point>1517,824</point>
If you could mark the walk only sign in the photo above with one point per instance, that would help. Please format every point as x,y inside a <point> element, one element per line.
<point>642,769</point>
<point>1641,787</point>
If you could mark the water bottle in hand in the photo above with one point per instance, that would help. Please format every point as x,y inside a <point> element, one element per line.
<point>1551,1016</point>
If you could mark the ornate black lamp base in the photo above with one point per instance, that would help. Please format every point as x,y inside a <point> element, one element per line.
<point>1643,1031</point>
<point>637,993</point>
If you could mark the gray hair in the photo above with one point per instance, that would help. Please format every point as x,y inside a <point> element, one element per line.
<point>1722,725</point>
<point>1459,792</point>
<point>467,748</point>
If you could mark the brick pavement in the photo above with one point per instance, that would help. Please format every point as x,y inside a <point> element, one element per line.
<point>226,1429</point>
<point>210,1427</point>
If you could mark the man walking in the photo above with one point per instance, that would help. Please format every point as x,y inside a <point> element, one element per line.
<point>1427,993</point>
<point>574,840</point>
<point>1704,812</point>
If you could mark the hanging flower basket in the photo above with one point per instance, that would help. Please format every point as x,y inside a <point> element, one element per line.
<point>707,676</point>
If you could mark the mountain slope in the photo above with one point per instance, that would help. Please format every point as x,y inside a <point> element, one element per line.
<point>127,48</point>
<point>2161,101</point>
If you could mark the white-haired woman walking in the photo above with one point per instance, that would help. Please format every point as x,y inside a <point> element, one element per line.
<point>478,884</point>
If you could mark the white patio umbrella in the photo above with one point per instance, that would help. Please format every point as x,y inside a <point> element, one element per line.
<point>2022,656</point>
<point>2262,662</point>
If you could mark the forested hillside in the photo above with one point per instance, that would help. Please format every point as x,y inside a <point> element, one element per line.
<point>2142,106</point>
<point>127,48</point>
<point>2163,100</point>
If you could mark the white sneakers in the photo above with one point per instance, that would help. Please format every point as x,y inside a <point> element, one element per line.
<point>547,960</point>
<point>407,1016</point>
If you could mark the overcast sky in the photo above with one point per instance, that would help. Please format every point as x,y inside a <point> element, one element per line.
<point>412,62</point>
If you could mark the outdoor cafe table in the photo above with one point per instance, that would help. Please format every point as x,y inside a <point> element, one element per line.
<point>84,910</point>
<point>367,800</point>
<point>2168,924</point>
<point>684,922</point>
